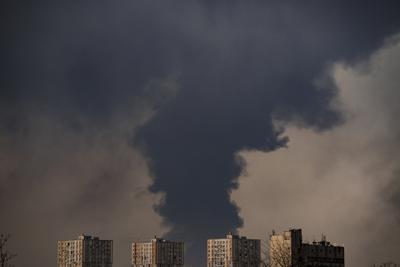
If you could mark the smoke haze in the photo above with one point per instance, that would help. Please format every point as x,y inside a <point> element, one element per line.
<point>343,183</point>
<point>111,110</point>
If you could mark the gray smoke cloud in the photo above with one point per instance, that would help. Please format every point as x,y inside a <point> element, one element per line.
<point>344,182</point>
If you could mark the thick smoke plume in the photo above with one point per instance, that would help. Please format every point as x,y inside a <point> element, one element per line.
<point>247,69</point>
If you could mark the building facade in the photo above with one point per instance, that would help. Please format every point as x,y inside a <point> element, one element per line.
<point>285,248</point>
<point>86,251</point>
<point>158,253</point>
<point>233,251</point>
<point>288,250</point>
<point>322,254</point>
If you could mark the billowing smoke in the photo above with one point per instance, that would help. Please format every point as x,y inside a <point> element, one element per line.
<point>257,61</point>
<point>233,65</point>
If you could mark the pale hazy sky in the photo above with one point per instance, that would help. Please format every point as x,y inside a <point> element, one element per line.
<point>338,183</point>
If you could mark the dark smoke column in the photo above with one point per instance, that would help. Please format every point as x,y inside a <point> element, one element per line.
<point>243,65</point>
<point>193,161</point>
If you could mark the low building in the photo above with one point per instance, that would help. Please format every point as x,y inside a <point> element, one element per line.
<point>158,252</point>
<point>288,250</point>
<point>86,251</point>
<point>233,251</point>
<point>322,254</point>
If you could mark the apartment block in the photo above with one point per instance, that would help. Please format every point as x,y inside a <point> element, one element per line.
<point>86,251</point>
<point>233,251</point>
<point>288,249</point>
<point>158,253</point>
<point>322,254</point>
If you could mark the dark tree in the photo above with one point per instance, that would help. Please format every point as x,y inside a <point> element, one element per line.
<point>5,255</point>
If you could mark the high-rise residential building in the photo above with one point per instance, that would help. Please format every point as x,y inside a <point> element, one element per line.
<point>233,251</point>
<point>158,252</point>
<point>86,251</point>
<point>288,250</point>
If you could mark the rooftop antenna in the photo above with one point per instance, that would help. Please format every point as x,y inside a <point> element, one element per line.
<point>323,238</point>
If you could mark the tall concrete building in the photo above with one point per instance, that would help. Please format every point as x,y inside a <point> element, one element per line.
<point>233,251</point>
<point>158,253</point>
<point>288,250</point>
<point>86,251</point>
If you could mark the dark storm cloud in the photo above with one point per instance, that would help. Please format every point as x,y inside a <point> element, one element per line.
<point>238,63</point>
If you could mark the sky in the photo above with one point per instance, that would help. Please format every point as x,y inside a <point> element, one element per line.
<point>128,119</point>
<point>342,183</point>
